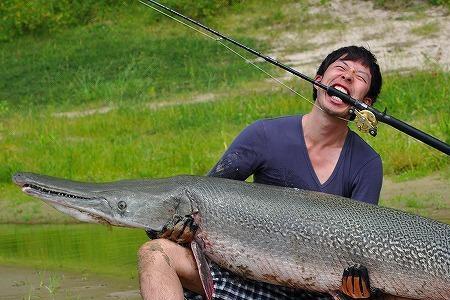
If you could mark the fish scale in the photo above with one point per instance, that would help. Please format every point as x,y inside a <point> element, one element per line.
<point>279,235</point>
<point>405,254</point>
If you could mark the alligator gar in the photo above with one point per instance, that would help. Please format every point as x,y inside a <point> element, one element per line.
<point>285,236</point>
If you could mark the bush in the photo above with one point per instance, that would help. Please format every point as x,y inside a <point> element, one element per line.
<point>201,9</point>
<point>43,16</point>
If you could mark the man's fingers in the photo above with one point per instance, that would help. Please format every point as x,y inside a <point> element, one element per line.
<point>181,230</point>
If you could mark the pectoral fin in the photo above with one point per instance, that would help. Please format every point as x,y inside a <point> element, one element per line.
<point>355,282</point>
<point>204,270</point>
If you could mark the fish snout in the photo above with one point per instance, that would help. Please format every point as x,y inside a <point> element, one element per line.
<point>19,179</point>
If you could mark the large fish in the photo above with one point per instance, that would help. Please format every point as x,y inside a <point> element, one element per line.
<point>284,236</point>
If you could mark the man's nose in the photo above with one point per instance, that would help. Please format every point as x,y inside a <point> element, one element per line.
<point>348,75</point>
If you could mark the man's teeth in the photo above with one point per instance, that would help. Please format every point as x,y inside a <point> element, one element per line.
<point>339,88</point>
<point>337,99</point>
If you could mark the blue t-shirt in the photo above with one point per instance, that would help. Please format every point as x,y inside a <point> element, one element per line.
<point>274,151</point>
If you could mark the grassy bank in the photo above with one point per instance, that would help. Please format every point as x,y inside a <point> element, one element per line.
<point>135,141</point>
<point>125,67</point>
<point>104,64</point>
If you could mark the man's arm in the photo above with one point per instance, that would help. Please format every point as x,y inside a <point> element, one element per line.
<point>243,156</point>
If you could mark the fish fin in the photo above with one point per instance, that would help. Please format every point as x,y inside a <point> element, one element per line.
<point>203,270</point>
<point>355,282</point>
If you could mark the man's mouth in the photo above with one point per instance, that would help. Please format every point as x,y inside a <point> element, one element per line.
<point>336,99</point>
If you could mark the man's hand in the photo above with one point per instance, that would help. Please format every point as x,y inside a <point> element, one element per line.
<point>180,230</point>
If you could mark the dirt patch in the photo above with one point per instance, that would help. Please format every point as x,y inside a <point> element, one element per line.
<point>428,196</point>
<point>434,184</point>
<point>83,113</point>
<point>27,283</point>
<point>401,40</point>
<point>192,99</point>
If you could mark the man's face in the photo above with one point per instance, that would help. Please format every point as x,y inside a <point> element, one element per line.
<point>350,77</point>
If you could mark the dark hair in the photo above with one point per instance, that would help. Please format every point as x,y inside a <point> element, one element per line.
<point>360,54</point>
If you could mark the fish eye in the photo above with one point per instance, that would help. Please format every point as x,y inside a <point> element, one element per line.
<point>122,205</point>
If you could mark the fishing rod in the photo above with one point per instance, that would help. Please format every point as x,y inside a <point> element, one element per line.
<point>366,117</point>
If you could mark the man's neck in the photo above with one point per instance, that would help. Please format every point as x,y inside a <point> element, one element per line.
<point>322,130</point>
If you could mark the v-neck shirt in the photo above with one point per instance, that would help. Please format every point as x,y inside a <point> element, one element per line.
<point>274,152</point>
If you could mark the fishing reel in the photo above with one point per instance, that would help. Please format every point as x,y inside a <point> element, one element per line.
<point>365,121</point>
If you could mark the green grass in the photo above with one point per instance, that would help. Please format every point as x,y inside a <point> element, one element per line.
<point>269,22</point>
<point>420,99</point>
<point>134,141</point>
<point>106,64</point>
<point>426,30</point>
<point>433,206</point>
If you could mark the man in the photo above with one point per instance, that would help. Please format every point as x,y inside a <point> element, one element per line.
<point>316,151</point>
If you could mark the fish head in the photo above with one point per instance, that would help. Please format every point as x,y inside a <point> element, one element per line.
<point>148,204</point>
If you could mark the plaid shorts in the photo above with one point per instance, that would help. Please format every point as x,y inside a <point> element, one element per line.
<point>229,286</point>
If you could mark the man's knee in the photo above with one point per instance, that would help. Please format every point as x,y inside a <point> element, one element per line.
<point>156,252</point>
<point>157,271</point>
<point>163,257</point>
<point>154,246</point>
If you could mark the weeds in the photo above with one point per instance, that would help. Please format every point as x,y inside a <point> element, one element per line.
<point>53,284</point>
<point>426,30</point>
<point>121,69</point>
<point>431,206</point>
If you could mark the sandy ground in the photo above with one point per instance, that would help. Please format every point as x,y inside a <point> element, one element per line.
<point>434,184</point>
<point>427,196</point>
<point>399,39</point>
<point>26,283</point>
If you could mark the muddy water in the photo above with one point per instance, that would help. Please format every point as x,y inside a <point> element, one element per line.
<point>68,262</point>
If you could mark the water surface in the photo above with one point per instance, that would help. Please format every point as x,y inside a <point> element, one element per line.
<point>78,247</point>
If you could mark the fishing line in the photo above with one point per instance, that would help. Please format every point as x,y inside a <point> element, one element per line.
<point>367,116</point>
<point>219,40</point>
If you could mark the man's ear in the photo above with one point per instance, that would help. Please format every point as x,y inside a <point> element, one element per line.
<point>367,101</point>
<point>319,79</point>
